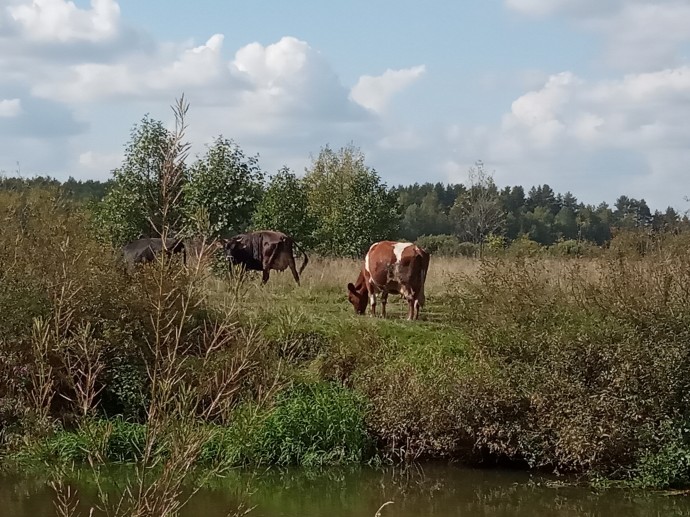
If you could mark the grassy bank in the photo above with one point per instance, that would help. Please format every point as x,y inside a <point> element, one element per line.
<point>568,364</point>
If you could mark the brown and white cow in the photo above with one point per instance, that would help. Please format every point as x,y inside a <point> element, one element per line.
<point>391,268</point>
<point>264,250</point>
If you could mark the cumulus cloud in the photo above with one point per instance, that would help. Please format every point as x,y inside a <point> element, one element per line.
<point>97,164</point>
<point>578,132</point>
<point>263,89</point>
<point>574,7</point>
<point>640,35</point>
<point>10,108</point>
<point>70,62</point>
<point>374,92</point>
<point>140,76</point>
<point>62,21</point>
<point>290,77</point>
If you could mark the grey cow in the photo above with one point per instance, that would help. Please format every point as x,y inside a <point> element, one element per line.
<point>145,249</point>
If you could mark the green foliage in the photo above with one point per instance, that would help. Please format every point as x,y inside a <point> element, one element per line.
<point>539,225</point>
<point>578,369</point>
<point>523,246</point>
<point>113,440</point>
<point>314,424</point>
<point>285,208</point>
<point>351,204</point>
<point>447,245</point>
<point>495,243</point>
<point>478,213</point>
<point>227,185</point>
<point>668,466</point>
<point>134,198</point>
<point>428,217</point>
<point>309,425</point>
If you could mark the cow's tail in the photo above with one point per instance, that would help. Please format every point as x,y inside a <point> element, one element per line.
<point>306,258</point>
<point>425,270</point>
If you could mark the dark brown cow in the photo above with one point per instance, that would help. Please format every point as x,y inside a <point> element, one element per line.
<point>264,250</point>
<point>391,267</point>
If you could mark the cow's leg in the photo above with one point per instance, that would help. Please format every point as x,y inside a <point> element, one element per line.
<point>293,268</point>
<point>372,302</point>
<point>410,309</point>
<point>267,262</point>
<point>384,300</point>
<point>417,306</point>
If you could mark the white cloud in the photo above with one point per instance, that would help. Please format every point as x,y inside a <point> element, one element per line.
<point>538,112</point>
<point>405,139</point>
<point>568,131</point>
<point>79,65</point>
<point>288,78</point>
<point>62,21</point>
<point>573,7</point>
<point>10,108</point>
<point>374,92</point>
<point>139,76</point>
<point>98,162</point>
<point>640,35</point>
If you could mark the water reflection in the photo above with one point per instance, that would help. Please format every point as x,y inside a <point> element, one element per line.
<point>429,490</point>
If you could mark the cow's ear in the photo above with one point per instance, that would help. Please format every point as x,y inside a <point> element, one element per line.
<point>351,288</point>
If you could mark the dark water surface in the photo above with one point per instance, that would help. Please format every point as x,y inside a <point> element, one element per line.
<point>432,490</point>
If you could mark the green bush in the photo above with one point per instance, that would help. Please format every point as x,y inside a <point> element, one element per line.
<point>667,465</point>
<point>113,440</point>
<point>578,367</point>
<point>313,425</point>
<point>523,246</point>
<point>447,245</point>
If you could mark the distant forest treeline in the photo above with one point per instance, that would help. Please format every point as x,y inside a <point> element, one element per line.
<point>431,209</point>
<point>540,213</point>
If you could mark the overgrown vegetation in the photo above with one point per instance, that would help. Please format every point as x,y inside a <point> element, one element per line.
<point>571,357</point>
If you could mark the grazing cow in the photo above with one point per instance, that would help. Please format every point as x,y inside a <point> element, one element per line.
<point>145,249</point>
<point>264,250</point>
<point>391,267</point>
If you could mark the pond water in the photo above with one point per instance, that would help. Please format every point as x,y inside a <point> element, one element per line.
<point>430,490</point>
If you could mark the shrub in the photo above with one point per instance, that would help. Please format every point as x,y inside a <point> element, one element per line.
<point>580,362</point>
<point>313,424</point>
<point>447,245</point>
<point>111,440</point>
<point>668,464</point>
<point>523,246</point>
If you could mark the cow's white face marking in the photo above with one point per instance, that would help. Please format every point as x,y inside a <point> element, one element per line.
<point>399,248</point>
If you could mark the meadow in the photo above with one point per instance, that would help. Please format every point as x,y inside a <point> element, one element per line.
<point>529,360</point>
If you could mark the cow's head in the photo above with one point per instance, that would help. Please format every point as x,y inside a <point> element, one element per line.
<point>232,243</point>
<point>232,249</point>
<point>358,297</point>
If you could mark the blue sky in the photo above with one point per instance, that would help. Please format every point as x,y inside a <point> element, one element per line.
<point>590,96</point>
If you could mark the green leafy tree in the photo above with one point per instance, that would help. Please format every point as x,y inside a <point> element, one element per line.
<point>478,212</point>
<point>285,208</point>
<point>225,184</point>
<point>352,205</point>
<point>632,213</point>
<point>426,218</point>
<point>540,225</point>
<point>594,223</point>
<point>565,223</point>
<point>543,196</point>
<point>134,203</point>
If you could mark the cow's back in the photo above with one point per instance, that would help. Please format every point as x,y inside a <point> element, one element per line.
<point>391,262</point>
<point>141,250</point>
